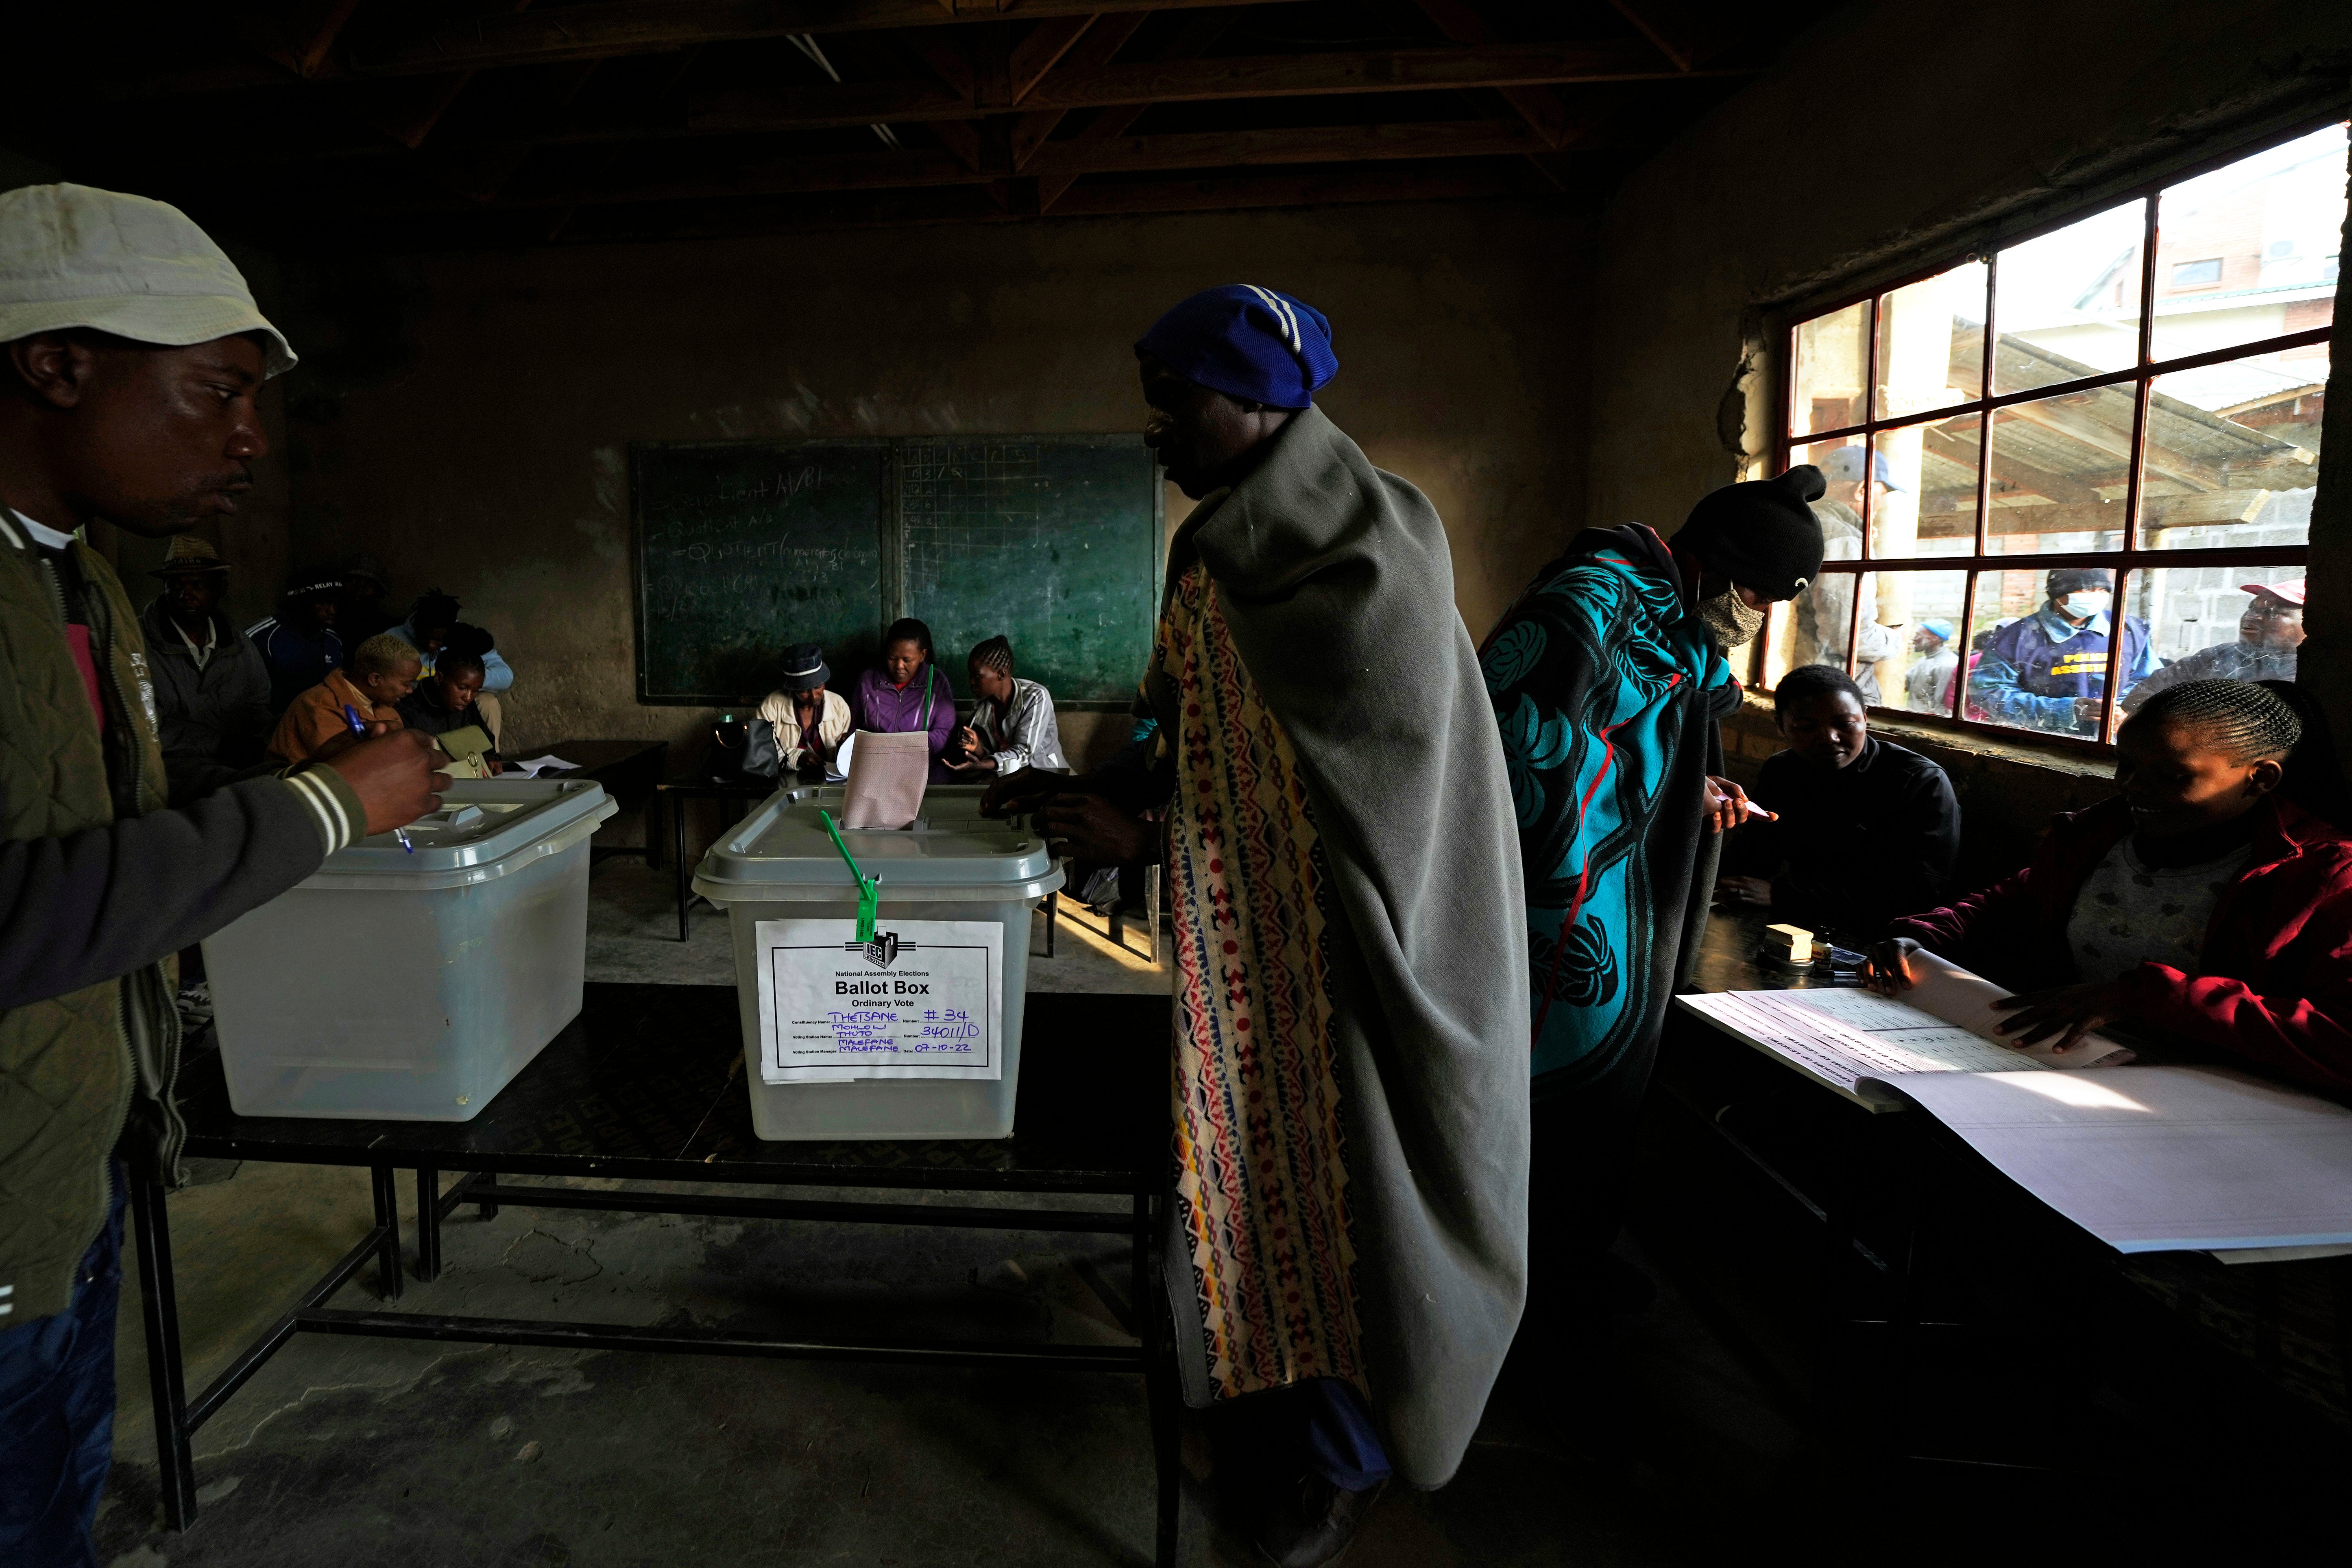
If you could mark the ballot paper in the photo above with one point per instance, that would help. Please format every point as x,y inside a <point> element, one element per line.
<point>1846,1038</point>
<point>921,999</point>
<point>887,775</point>
<point>532,767</point>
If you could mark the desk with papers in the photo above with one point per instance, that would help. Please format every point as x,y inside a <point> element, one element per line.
<point>2139,1180</point>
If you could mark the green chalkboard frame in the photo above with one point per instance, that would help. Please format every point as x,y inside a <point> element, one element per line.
<point>891,528</point>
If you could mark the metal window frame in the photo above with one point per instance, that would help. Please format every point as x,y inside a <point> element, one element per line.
<point>2132,556</point>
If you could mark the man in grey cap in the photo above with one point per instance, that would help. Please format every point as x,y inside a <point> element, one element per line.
<point>133,356</point>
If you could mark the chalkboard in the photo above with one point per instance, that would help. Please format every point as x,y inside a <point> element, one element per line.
<point>1052,541</point>
<point>746,547</point>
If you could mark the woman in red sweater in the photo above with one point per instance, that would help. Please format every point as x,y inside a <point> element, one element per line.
<point>2200,903</point>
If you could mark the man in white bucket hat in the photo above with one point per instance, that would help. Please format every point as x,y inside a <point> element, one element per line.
<point>133,355</point>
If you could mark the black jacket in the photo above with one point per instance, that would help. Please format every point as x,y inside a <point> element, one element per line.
<point>215,720</point>
<point>1855,847</point>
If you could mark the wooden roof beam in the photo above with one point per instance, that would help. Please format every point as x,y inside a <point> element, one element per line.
<point>1538,106</point>
<point>1667,25</point>
<point>652,26</point>
<point>1320,145</point>
<point>1143,84</point>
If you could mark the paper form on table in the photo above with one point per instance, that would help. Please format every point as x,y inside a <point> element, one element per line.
<point>1841,1038</point>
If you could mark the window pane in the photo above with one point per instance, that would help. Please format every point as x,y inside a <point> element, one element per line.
<point>2038,649</point>
<point>1814,627</point>
<point>1909,650</point>
<point>2068,304</point>
<point>1833,365</point>
<point>2250,251</point>
<point>2219,623</point>
<point>1929,502</point>
<point>2233,452</point>
<point>1931,343</point>
<point>1840,509</point>
<point>2061,473</point>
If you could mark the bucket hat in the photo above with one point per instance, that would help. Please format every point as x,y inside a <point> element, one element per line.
<point>74,256</point>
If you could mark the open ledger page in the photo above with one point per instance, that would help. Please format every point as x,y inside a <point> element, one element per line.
<point>1842,1037</point>
<point>2163,1159</point>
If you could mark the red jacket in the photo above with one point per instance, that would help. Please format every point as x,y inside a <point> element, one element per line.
<point>2275,984</point>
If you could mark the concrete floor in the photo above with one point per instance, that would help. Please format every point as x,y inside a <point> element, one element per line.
<point>363,1453</point>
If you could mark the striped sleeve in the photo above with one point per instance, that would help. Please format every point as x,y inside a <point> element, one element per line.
<point>332,803</point>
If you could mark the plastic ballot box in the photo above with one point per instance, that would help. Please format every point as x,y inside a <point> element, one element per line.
<point>911,1029</point>
<point>413,976</point>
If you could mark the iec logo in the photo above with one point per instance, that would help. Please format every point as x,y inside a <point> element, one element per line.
<point>880,951</point>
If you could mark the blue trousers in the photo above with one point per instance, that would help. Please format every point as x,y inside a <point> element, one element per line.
<point>1338,1436</point>
<point>56,1414</point>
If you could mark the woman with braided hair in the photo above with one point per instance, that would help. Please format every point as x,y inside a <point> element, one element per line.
<point>2201,904</point>
<point>1013,724</point>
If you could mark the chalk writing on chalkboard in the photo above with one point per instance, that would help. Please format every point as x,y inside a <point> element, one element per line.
<point>746,547</point>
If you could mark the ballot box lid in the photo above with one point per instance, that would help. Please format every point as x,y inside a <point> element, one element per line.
<point>783,845</point>
<point>483,825</point>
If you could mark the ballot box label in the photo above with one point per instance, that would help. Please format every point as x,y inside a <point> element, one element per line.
<point>921,999</point>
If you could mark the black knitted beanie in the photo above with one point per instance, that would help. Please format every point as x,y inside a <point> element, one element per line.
<point>1761,534</point>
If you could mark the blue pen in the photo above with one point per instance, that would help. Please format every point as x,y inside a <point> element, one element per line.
<point>352,716</point>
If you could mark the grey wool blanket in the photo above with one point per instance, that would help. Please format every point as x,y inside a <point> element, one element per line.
<point>1335,581</point>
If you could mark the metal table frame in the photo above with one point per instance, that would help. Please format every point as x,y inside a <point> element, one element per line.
<point>378,1146</point>
<point>673,798</point>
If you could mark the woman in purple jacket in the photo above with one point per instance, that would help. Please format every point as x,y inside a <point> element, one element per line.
<point>906,693</point>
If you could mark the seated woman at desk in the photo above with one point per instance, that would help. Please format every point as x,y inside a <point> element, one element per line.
<point>1013,725</point>
<point>802,723</point>
<point>1867,829</point>
<point>449,699</point>
<point>906,694</point>
<point>2200,903</point>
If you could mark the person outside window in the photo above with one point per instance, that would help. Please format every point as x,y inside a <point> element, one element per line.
<point>1867,830</point>
<point>134,356</point>
<point>2270,639</point>
<point>803,722</point>
<point>212,689</point>
<point>1013,725</point>
<point>2048,670</point>
<point>1821,616</point>
<point>907,694</point>
<point>1927,683</point>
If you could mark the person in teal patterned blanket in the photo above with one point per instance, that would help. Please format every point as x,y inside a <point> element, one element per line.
<point>1608,679</point>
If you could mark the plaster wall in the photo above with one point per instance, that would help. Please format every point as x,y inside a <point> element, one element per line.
<point>471,416</point>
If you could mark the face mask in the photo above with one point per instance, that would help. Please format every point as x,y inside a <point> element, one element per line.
<point>1731,620</point>
<point>2083,604</point>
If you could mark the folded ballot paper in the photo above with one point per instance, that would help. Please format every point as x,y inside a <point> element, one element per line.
<point>887,775</point>
<point>1849,1039</point>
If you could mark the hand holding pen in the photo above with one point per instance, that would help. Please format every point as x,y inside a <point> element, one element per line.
<point>359,733</point>
<point>1724,805</point>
